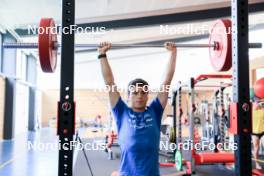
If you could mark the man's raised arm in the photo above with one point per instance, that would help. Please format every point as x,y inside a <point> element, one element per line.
<point>170,69</point>
<point>107,73</point>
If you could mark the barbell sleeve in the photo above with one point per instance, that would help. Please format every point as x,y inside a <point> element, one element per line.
<point>35,45</point>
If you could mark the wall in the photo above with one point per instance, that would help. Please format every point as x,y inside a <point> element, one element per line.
<point>90,103</point>
<point>49,106</point>
<point>21,109</point>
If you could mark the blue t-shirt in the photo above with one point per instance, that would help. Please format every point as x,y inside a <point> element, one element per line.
<point>138,137</point>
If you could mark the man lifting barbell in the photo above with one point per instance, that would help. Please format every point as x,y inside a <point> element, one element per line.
<point>138,124</point>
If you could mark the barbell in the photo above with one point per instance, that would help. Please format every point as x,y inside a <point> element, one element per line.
<point>120,45</point>
<point>219,45</point>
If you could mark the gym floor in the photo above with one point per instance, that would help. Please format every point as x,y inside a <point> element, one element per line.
<point>17,160</point>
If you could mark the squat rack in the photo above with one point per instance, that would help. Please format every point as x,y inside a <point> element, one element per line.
<point>204,157</point>
<point>240,75</point>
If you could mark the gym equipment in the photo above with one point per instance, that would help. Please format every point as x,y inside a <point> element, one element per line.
<point>184,120</point>
<point>166,164</point>
<point>218,119</point>
<point>213,158</point>
<point>180,116</point>
<point>222,116</point>
<point>256,172</point>
<point>204,77</point>
<point>197,121</point>
<point>219,45</point>
<point>259,88</point>
<point>110,138</point>
<point>171,134</point>
<point>251,94</point>
<point>79,141</point>
<point>258,160</point>
<point>202,158</point>
<point>47,51</point>
<point>178,160</point>
<point>221,58</point>
<point>206,157</point>
<point>206,124</point>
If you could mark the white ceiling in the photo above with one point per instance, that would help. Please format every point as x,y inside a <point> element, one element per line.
<point>18,13</point>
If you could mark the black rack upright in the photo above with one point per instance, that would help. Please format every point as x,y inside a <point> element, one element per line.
<point>66,106</point>
<point>240,62</point>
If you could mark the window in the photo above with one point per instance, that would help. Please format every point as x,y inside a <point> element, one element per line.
<point>21,65</point>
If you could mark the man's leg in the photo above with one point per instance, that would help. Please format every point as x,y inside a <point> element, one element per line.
<point>255,140</point>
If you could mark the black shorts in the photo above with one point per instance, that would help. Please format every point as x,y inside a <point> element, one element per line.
<point>259,135</point>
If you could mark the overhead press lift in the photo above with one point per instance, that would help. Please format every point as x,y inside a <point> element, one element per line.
<point>241,106</point>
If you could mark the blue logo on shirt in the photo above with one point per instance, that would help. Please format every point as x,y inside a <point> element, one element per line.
<point>140,120</point>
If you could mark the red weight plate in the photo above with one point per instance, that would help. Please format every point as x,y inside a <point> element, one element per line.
<point>47,38</point>
<point>221,57</point>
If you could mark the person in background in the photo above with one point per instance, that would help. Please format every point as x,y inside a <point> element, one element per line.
<point>98,121</point>
<point>258,127</point>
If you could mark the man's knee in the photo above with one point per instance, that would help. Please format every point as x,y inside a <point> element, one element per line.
<point>115,173</point>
